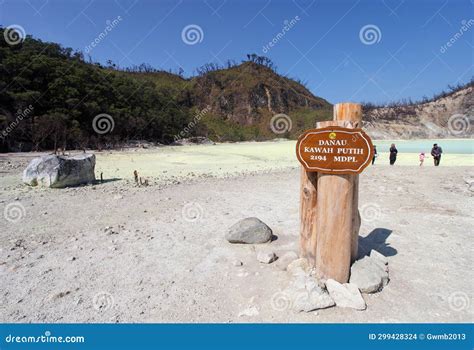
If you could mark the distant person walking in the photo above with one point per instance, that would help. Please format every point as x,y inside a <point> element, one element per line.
<point>375,155</point>
<point>422,158</point>
<point>393,154</point>
<point>436,152</point>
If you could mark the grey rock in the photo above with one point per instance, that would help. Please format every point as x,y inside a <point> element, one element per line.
<point>305,294</point>
<point>250,311</point>
<point>369,275</point>
<point>266,257</point>
<point>60,171</point>
<point>298,267</point>
<point>345,295</point>
<point>286,259</point>
<point>250,231</point>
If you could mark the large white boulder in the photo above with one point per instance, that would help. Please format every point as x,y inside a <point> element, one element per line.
<point>60,171</point>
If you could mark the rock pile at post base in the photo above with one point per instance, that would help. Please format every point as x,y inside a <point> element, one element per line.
<point>305,293</point>
<point>60,171</point>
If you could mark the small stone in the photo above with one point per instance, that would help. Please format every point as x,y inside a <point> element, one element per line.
<point>242,274</point>
<point>305,294</point>
<point>251,311</point>
<point>237,263</point>
<point>298,267</point>
<point>266,257</point>
<point>118,196</point>
<point>71,258</point>
<point>110,231</point>
<point>369,275</point>
<point>249,231</point>
<point>59,295</point>
<point>345,295</point>
<point>286,259</point>
<point>312,300</point>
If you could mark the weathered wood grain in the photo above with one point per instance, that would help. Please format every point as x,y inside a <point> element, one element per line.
<point>334,208</point>
<point>308,234</point>
<point>352,112</point>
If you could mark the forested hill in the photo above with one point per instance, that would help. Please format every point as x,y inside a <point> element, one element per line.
<point>50,97</point>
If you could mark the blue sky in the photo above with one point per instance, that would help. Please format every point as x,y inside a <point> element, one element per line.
<point>325,46</point>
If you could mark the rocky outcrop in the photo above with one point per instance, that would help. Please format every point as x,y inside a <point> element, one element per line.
<point>245,94</point>
<point>448,116</point>
<point>60,171</point>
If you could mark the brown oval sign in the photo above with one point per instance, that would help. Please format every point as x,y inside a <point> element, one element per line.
<point>335,150</point>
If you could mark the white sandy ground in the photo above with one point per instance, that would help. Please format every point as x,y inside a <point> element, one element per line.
<point>169,261</point>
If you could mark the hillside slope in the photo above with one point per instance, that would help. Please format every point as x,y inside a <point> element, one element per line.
<point>51,97</point>
<point>239,102</point>
<point>448,116</point>
<point>242,93</point>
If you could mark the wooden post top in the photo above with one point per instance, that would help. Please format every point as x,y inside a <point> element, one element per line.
<point>348,111</point>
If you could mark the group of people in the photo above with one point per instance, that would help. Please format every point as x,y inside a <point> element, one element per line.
<point>436,153</point>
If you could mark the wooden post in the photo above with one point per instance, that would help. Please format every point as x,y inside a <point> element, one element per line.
<point>352,112</point>
<point>308,194</point>
<point>329,214</point>
<point>334,226</point>
<point>336,211</point>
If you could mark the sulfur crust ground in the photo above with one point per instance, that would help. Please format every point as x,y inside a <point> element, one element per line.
<point>169,261</point>
<point>229,158</point>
